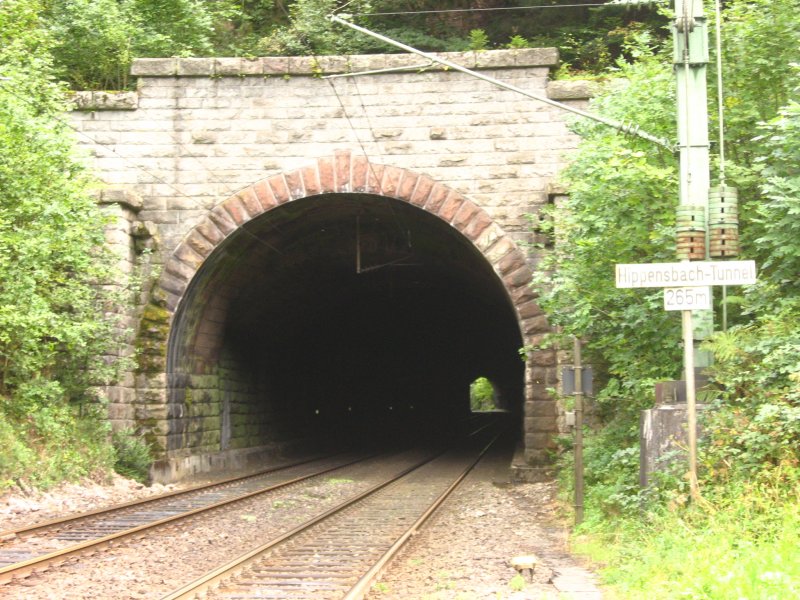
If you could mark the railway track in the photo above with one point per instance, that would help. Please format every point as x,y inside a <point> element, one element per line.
<point>322,543</point>
<point>340,553</point>
<point>32,548</point>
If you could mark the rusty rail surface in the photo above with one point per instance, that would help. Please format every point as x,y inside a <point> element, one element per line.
<point>124,521</point>
<point>341,552</point>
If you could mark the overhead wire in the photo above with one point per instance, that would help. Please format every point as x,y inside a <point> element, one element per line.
<point>402,229</point>
<point>494,9</point>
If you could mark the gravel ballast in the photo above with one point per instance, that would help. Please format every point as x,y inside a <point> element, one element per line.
<point>464,552</point>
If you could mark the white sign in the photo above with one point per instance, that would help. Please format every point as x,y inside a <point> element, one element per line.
<point>687,274</point>
<point>687,298</point>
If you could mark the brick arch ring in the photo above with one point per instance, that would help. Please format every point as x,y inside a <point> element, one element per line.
<point>345,172</point>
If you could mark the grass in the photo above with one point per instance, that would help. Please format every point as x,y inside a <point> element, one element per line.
<point>740,545</point>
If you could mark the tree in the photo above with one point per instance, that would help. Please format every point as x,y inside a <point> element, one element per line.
<point>53,334</point>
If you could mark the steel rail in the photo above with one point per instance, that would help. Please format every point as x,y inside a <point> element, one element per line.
<point>363,585</point>
<point>39,563</point>
<point>10,534</point>
<point>212,580</point>
<point>215,577</point>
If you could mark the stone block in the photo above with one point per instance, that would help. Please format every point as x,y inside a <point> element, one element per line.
<point>228,66</point>
<point>331,64</point>
<point>391,180</point>
<point>359,169</point>
<point>294,184</point>
<point>251,66</point>
<point>199,244</point>
<point>250,202</point>
<point>488,237</point>
<point>208,229</point>
<point>535,324</point>
<point>236,209</point>
<point>436,198</point>
<point>194,67</point>
<point>374,178</point>
<point>543,358</point>
<point>450,206</point>
<point>223,220</point>
<point>342,171</point>
<point>302,65</point>
<point>519,278</point>
<point>464,215</point>
<point>422,191</point>
<point>539,441</point>
<point>575,89</point>
<point>527,310</point>
<point>541,408</point>
<point>187,255</point>
<point>408,183</point>
<point>546,424</point>
<point>310,180</point>
<point>154,67</point>
<point>280,190</point>
<point>275,65</point>
<point>477,225</point>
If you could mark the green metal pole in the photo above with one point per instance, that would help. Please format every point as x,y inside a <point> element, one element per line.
<point>690,34</point>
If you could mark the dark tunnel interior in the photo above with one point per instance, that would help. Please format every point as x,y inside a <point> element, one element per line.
<point>341,316</point>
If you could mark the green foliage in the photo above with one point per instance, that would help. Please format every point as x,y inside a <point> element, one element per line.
<point>53,334</point>
<point>96,40</point>
<point>753,428</point>
<point>481,395</point>
<point>518,42</point>
<point>132,455</point>
<point>53,443</point>
<point>740,543</point>
<point>620,209</point>
<point>517,583</point>
<point>778,215</point>
<point>310,32</point>
<point>478,40</point>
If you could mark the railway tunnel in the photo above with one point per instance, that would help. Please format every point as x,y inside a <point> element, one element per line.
<point>341,316</point>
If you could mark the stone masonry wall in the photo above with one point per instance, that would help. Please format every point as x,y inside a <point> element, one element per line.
<point>199,130</point>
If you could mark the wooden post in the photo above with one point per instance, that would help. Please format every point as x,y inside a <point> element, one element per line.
<point>578,431</point>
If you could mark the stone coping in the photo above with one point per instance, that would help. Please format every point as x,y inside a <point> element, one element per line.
<point>325,65</point>
<point>109,100</point>
<point>104,100</point>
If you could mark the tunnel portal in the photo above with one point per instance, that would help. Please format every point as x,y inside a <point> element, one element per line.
<point>338,317</point>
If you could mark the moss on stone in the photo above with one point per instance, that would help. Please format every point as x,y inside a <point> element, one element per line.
<point>151,340</point>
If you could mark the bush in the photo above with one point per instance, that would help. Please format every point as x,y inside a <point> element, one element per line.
<point>133,456</point>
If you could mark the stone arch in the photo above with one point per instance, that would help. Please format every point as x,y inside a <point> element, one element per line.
<point>348,173</point>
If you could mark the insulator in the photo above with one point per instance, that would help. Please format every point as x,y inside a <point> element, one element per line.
<point>723,222</point>
<point>690,232</point>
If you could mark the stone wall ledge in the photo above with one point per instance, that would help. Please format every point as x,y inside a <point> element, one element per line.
<point>329,65</point>
<point>97,100</point>
<point>125,198</point>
